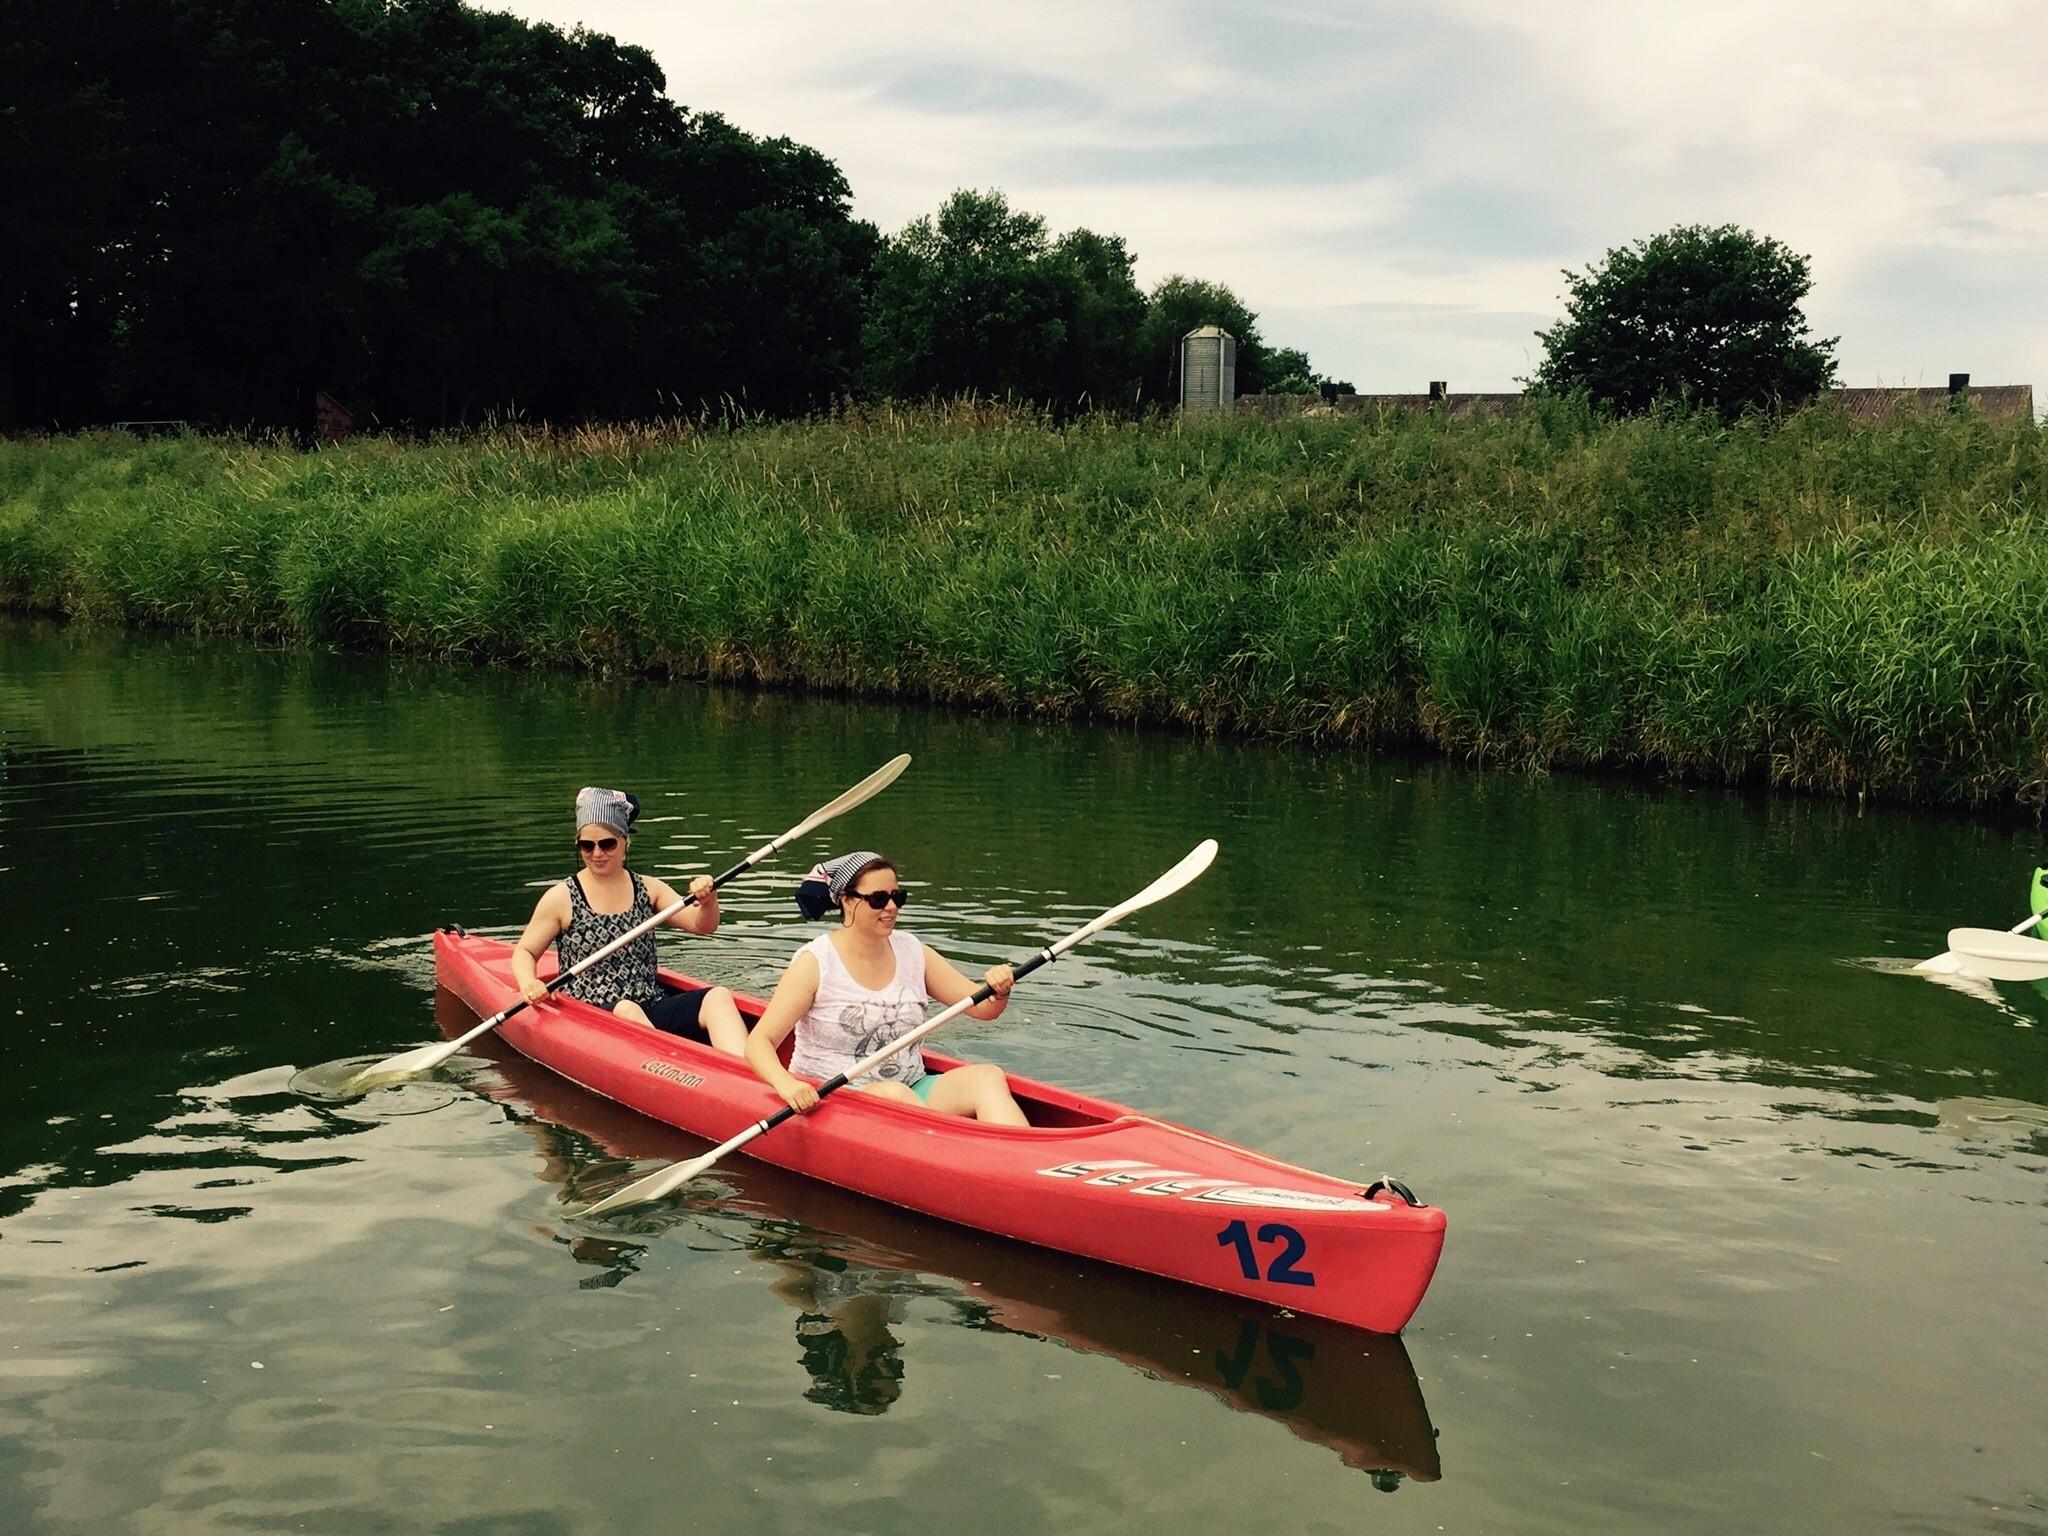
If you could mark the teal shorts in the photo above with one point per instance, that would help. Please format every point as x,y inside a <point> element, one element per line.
<point>924,1085</point>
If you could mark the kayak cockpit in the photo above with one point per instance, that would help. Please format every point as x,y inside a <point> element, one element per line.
<point>1047,1107</point>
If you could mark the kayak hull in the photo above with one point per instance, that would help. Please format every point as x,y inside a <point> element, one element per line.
<point>831,1255</point>
<point>1088,1176</point>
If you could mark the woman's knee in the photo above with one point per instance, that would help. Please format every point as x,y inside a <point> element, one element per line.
<point>895,1093</point>
<point>981,1090</point>
<point>982,1077</point>
<point>723,1026</point>
<point>626,1008</point>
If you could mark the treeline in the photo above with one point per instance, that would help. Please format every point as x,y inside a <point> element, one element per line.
<point>437,215</point>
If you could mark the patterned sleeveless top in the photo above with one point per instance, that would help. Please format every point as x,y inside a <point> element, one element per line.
<point>628,972</point>
<point>847,1021</point>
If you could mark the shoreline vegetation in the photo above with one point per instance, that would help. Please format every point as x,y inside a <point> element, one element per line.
<point>1814,603</point>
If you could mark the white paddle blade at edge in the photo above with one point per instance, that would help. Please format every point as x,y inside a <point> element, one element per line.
<point>1199,858</point>
<point>398,1068</point>
<point>1949,963</point>
<point>1997,956</point>
<point>655,1186</point>
<point>865,790</point>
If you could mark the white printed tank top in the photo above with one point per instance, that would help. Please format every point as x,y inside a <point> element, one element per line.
<point>848,1021</point>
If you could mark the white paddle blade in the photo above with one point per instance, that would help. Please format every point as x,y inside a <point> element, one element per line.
<point>862,792</point>
<point>1998,956</point>
<point>1948,962</point>
<point>427,1057</point>
<point>654,1187</point>
<point>1199,858</point>
<point>397,1068</point>
<point>1182,874</point>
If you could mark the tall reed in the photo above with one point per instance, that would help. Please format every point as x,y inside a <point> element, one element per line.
<point>1817,602</point>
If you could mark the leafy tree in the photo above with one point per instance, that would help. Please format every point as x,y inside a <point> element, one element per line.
<point>966,301</point>
<point>978,299</point>
<point>1706,315</point>
<point>1103,310</point>
<point>208,211</point>
<point>1288,373</point>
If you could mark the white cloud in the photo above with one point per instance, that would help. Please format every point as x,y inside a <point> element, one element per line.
<point>1331,159</point>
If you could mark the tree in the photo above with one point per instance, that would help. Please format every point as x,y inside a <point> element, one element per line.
<point>1103,310</point>
<point>1709,316</point>
<point>1288,373</point>
<point>432,211</point>
<point>966,302</point>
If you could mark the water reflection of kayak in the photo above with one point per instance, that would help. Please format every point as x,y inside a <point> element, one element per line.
<point>847,1267</point>
<point>1086,1176</point>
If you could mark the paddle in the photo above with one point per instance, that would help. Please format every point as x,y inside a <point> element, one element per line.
<point>426,1058</point>
<point>1946,963</point>
<point>673,1177</point>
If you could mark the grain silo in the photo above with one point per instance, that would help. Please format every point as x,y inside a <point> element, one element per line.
<point>1208,369</point>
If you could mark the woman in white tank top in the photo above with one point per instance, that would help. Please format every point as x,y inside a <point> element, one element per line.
<point>850,992</point>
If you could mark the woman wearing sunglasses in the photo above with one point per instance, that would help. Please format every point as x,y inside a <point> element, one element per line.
<point>603,900</point>
<point>850,992</point>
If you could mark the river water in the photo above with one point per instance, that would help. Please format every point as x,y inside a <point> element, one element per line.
<point>1748,1229</point>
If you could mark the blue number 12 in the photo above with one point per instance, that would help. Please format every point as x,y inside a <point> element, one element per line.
<point>1282,1270</point>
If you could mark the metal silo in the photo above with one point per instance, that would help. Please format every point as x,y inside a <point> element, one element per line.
<point>1208,369</point>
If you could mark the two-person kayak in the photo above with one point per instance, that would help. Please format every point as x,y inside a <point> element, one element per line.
<point>1087,1176</point>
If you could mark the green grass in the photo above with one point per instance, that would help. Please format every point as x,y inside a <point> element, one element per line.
<point>1818,603</point>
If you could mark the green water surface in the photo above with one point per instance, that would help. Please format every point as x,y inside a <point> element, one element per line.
<point>1748,1229</point>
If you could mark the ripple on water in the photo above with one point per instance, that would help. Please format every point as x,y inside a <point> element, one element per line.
<point>329,1084</point>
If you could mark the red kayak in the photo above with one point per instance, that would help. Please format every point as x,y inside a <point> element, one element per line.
<point>1086,1176</point>
<point>1328,1385</point>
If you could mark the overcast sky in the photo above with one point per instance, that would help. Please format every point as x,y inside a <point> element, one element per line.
<point>1395,186</point>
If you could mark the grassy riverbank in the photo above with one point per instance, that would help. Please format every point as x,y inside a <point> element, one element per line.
<point>1826,605</point>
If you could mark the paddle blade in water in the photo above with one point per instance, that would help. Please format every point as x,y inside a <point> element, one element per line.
<point>398,1068</point>
<point>655,1186</point>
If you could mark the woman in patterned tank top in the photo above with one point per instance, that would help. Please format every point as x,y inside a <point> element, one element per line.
<point>603,900</point>
<point>852,991</point>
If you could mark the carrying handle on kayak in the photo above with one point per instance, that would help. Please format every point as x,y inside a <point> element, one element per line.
<point>427,1057</point>
<point>1393,1186</point>
<point>673,1177</point>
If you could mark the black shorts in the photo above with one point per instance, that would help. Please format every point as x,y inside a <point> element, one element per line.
<point>676,1014</point>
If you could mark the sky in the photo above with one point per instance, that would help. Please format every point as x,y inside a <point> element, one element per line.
<point>1396,188</point>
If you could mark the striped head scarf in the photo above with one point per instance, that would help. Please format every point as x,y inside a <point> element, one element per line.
<point>612,808</point>
<point>819,894</point>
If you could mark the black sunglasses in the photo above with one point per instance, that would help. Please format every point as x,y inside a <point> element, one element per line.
<point>880,899</point>
<point>602,844</point>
